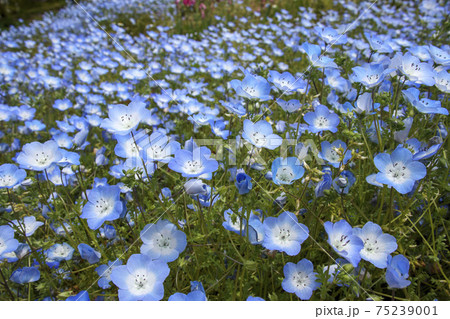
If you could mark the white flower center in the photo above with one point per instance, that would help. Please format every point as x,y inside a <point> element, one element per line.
<point>301,279</point>
<point>321,121</point>
<point>193,167</point>
<point>285,174</point>
<point>398,171</point>
<point>103,206</point>
<point>259,139</point>
<point>341,242</point>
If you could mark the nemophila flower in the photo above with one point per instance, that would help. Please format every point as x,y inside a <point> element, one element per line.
<point>140,279</point>
<point>343,182</point>
<point>88,253</point>
<point>286,170</point>
<point>260,134</point>
<point>370,74</point>
<point>192,296</point>
<point>234,223</point>
<point>377,44</point>
<point>364,104</point>
<point>397,272</point>
<point>284,233</point>
<point>218,129</point>
<point>162,241</point>
<point>37,156</point>
<point>335,153</point>
<point>325,183</point>
<point>193,163</point>
<point>317,59</point>
<point>331,36</point>
<point>123,119</point>
<point>286,82</point>
<point>343,240</point>
<point>377,245</point>
<point>195,187</point>
<point>60,252</point>
<point>83,295</point>
<point>439,56</point>
<point>11,175</point>
<point>235,107</point>
<point>35,125</point>
<point>252,87</point>
<point>420,150</point>
<point>243,182</point>
<point>423,105</point>
<point>253,298</point>
<point>25,275</point>
<point>300,279</point>
<point>62,105</point>
<point>103,205</point>
<point>289,106</point>
<point>442,79</point>
<point>108,232</point>
<point>416,71</point>
<point>160,148</point>
<point>399,170</point>
<point>321,120</point>
<point>7,242</point>
<point>28,225</point>
<point>104,271</point>
<point>25,113</point>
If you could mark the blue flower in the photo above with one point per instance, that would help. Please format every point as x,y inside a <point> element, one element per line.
<point>260,134</point>
<point>253,298</point>
<point>416,71</point>
<point>284,233</point>
<point>325,183</point>
<point>330,154</point>
<point>60,252</point>
<point>123,119</point>
<point>140,279</point>
<point>370,74</point>
<point>218,128</point>
<point>28,225</point>
<point>103,205</point>
<point>343,240</point>
<point>300,279</point>
<point>377,44</point>
<point>62,105</point>
<point>314,54</point>
<point>322,120</point>
<point>439,56</point>
<point>399,170</point>
<point>192,296</point>
<point>88,253</point>
<point>25,275</point>
<point>252,87</point>
<point>286,170</point>
<point>343,182</point>
<point>83,295</point>
<point>286,82</point>
<point>289,106</point>
<point>162,241</point>
<point>7,242</point>
<point>377,245</point>
<point>423,105</point>
<point>104,271</point>
<point>397,272</point>
<point>195,187</point>
<point>243,182</point>
<point>37,156</point>
<point>234,224</point>
<point>160,149</point>
<point>11,175</point>
<point>193,163</point>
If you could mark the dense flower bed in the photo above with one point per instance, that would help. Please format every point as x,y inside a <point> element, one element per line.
<point>270,155</point>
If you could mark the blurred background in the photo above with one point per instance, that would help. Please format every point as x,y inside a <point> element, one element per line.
<point>13,10</point>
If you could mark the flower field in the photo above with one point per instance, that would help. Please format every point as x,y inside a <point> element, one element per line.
<point>230,150</point>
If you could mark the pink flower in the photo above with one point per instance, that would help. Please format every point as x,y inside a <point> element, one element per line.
<point>202,8</point>
<point>189,3</point>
